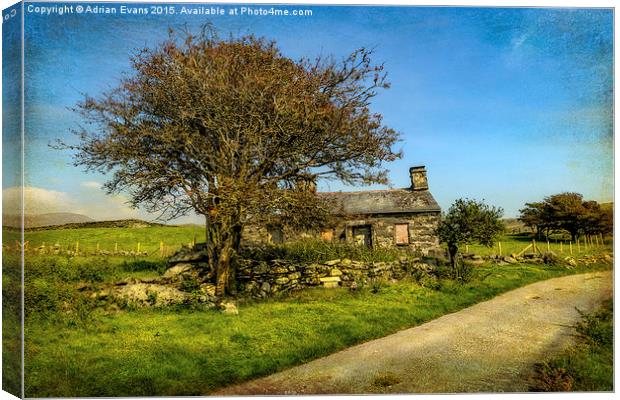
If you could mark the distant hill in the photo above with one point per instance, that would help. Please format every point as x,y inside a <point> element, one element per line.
<point>48,219</point>
<point>121,223</point>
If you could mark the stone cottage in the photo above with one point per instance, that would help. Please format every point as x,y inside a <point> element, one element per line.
<point>402,218</point>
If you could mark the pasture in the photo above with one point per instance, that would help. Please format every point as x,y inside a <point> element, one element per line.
<point>76,346</point>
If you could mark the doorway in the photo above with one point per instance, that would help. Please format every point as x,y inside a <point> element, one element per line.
<point>362,235</point>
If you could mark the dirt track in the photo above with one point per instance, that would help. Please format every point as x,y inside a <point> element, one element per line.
<point>489,347</point>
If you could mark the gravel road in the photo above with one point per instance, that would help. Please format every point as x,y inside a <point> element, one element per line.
<point>489,347</point>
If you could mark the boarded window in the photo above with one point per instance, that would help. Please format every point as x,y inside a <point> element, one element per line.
<point>327,234</point>
<point>401,233</point>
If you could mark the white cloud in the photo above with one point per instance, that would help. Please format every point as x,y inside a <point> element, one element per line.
<point>91,185</point>
<point>101,206</point>
<point>94,204</point>
<point>36,200</point>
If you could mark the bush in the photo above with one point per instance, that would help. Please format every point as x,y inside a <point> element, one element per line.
<point>50,285</point>
<point>189,284</point>
<point>587,366</point>
<point>43,296</point>
<point>317,251</point>
<point>143,265</point>
<point>66,269</point>
<point>376,285</point>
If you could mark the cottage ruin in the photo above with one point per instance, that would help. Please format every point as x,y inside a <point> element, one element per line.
<point>402,218</point>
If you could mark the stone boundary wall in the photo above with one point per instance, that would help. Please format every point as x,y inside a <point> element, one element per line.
<point>189,279</point>
<point>262,279</point>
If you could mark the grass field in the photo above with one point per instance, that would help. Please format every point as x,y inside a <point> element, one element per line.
<point>74,348</point>
<point>559,245</point>
<point>173,237</point>
<point>126,239</point>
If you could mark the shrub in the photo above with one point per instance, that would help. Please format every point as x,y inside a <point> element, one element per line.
<point>151,297</point>
<point>143,265</point>
<point>43,296</point>
<point>587,366</point>
<point>597,329</point>
<point>80,310</point>
<point>376,285</point>
<point>317,251</point>
<point>189,284</point>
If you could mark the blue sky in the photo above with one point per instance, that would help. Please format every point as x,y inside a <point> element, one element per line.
<point>505,105</point>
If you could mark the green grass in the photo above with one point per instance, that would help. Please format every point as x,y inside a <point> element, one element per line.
<point>76,349</point>
<point>587,366</point>
<point>11,325</point>
<point>516,243</point>
<point>127,239</point>
<point>184,352</point>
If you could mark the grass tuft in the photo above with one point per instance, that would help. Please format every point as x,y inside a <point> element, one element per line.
<point>588,365</point>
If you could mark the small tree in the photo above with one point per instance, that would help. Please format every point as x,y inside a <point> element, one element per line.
<point>468,222</point>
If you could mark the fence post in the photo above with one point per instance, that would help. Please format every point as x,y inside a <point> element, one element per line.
<point>161,248</point>
<point>115,248</point>
<point>534,246</point>
<point>548,248</point>
<point>562,247</point>
<point>570,243</point>
<point>500,248</point>
<point>138,250</point>
<point>524,250</point>
<point>578,246</point>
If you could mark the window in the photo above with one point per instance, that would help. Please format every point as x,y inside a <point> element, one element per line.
<point>401,234</point>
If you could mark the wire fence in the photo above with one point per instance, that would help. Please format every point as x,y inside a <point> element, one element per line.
<point>118,249</point>
<point>582,245</point>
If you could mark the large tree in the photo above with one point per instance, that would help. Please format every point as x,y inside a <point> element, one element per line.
<point>533,215</point>
<point>568,212</point>
<point>235,131</point>
<point>467,222</point>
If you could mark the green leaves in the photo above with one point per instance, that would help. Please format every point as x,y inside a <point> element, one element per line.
<point>569,212</point>
<point>470,221</point>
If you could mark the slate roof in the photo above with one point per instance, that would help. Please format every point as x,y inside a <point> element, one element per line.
<point>389,201</point>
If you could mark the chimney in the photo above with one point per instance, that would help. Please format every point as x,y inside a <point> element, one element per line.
<point>418,178</point>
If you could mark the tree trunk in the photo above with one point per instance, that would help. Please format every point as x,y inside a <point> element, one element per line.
<point>223,239</point>
<point>453,250</point>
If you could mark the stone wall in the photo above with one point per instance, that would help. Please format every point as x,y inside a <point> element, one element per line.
<point>261,279</point>
<point>421,227</point>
